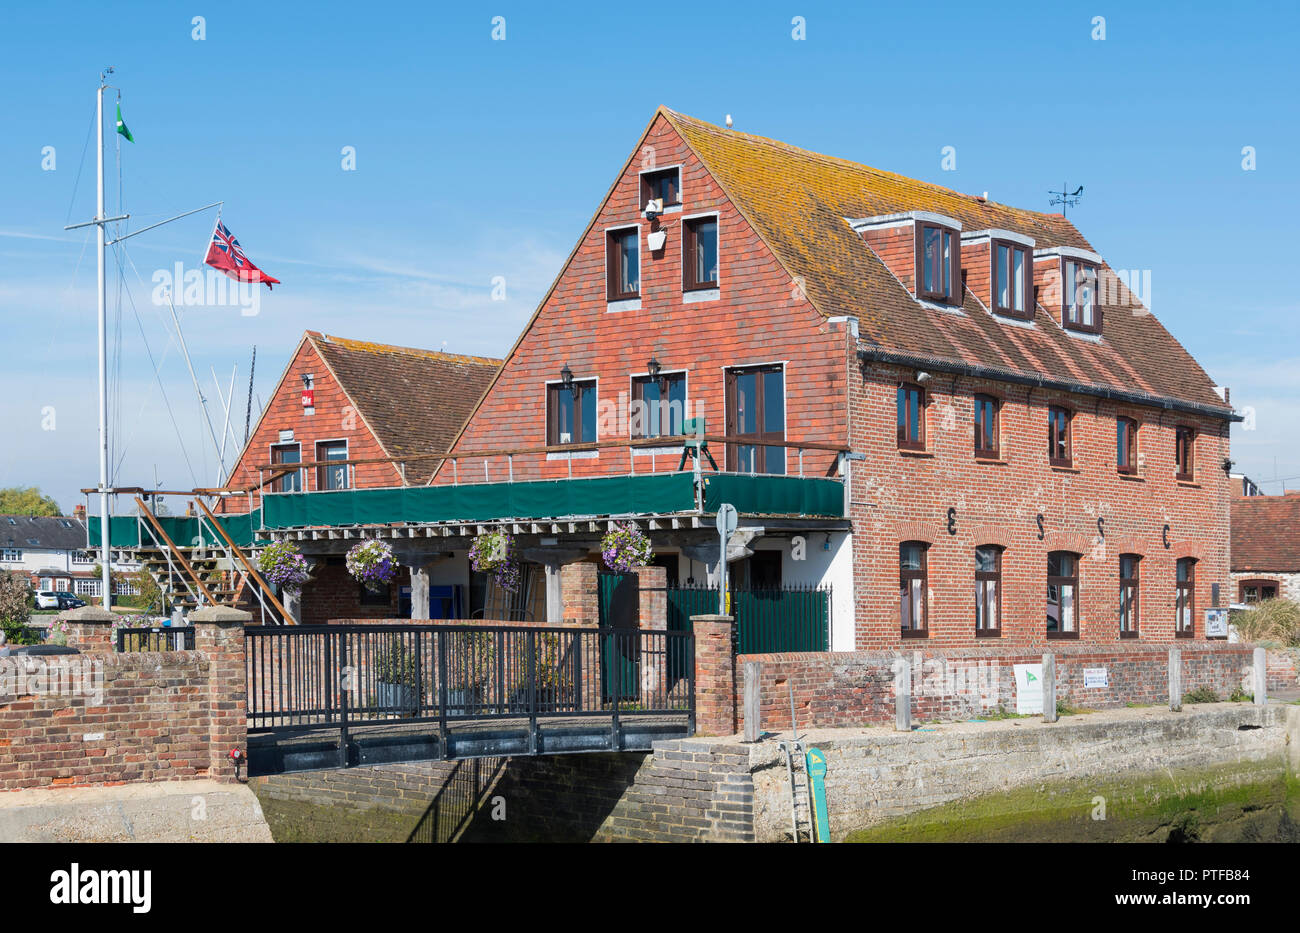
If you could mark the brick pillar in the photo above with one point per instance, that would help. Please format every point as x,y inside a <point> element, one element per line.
<point>715,676</point>
<point>219,637</point>
<point>578,590</point>
<point>90,628</point>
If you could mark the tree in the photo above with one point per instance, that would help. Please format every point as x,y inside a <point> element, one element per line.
<point>15,589</point>
<point>27,500</point>
<point>151,596</point>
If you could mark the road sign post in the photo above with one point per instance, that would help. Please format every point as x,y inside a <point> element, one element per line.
<point>726,524</point>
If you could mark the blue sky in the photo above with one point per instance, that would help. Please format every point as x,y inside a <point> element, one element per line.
<point>478,158</point>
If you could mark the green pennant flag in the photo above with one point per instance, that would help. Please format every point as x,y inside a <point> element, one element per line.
<point>121,127</point>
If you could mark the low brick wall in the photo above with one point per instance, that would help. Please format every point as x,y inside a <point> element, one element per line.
<point>127,717</point>
<point>834,689</point>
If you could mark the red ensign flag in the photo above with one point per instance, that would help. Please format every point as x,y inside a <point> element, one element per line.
<point>225,253</point>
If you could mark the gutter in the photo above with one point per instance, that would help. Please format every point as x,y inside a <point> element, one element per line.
<point>880,355</point>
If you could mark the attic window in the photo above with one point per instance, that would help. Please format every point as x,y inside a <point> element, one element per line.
<point>1012,279</point>
<point>623,264</point>
<point>662,185</point>
<point>938,263</point>
<point>1079,296</point>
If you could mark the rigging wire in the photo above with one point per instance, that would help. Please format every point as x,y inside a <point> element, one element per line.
<point>118,251</point>
<point>80,166</point>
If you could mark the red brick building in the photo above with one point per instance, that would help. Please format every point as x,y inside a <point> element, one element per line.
<point>1266,548</point>
<point>341,401</point>
<point>1020,451</point>
<point>941,385</point>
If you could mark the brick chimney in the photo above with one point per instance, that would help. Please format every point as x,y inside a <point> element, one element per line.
<point>79,512</point>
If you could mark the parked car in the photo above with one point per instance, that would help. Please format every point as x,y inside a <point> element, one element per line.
<point>69,600</point>
<point>47,599</point>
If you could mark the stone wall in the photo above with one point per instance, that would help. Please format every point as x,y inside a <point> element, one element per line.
<point>686,791</point>
<point>885,774</point>
<point>836,689</point>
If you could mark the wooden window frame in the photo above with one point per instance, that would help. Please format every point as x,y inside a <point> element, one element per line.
<point>1130,449</point>
<point>759,440</point>
<point>690,245</point>
<point>1053,441</point>
<point>614,262</point>
<point>1027,275</point>
<point>579,389</point>
<point>323,471</point>
<point>664,378</point>
<point>647,190</point>
<point>1185,595</point>
<point>952,293</point>
<point>9,551</point>
<point>1185,453</point>
<point>904,578</point>
<point>983,577</point>
<point>1258,583</point>
<point>988,452</point>
<point>1068,288</point>
<point>903,400</point>
<point>1073,583</point>
<point>280,483</point>
<point>1130,593</point>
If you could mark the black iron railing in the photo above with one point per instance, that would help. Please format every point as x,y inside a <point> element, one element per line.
<point>305,678</point>
<point>156,638</point>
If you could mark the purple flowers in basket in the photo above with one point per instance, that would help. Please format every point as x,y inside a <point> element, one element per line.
<point>491,553</point>
<point>372,563</point>
<point>625,546</point>
<point>283,566</point>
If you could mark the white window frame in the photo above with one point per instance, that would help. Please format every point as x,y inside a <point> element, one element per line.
<point>700,294</point>
<point>347,451</point>
<point>623,304</point>
<point>270,458</point>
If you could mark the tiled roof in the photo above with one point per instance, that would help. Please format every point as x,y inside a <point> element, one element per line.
<point>798,201</point>
<point>42,533</point>
<point>1266,533</point>
<point>414,400</point>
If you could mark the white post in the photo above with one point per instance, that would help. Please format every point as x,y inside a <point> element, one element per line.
<point>1049,688</point>
<point>753,705</point>
<point>106,554</point>
<point>1261,676</point>
<point>1175,679</point>
<point>902,694</point>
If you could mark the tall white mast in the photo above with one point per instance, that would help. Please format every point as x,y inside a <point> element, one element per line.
<point>105,555</point>
<point>100,222</point>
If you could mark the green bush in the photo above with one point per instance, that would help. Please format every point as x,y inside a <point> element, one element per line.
<point>1201,695</point>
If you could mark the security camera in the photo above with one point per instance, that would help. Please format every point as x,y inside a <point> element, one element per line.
<point>653,208</point>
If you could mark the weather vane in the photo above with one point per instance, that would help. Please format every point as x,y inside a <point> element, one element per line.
<point>1066,197</point>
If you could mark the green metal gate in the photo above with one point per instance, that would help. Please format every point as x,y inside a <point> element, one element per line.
<point>619,601</point>
<point>768,619</point>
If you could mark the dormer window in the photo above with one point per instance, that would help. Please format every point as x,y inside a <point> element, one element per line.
<point>938,263</point>
<point>1013,280</point>
<point>1079,296</point>
<point>663,185</point>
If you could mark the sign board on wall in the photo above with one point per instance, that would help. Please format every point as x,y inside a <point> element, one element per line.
<point>1094,677</point>
<point>1216,623</point>
<point>1029,688</point>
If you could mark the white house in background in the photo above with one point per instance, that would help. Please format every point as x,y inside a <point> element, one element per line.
<point>51,550</point>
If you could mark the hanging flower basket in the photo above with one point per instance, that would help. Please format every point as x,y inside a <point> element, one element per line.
<point>624,547</point>
<point>372,563</point>
<point>492,552</point>
<point>283,566</point>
